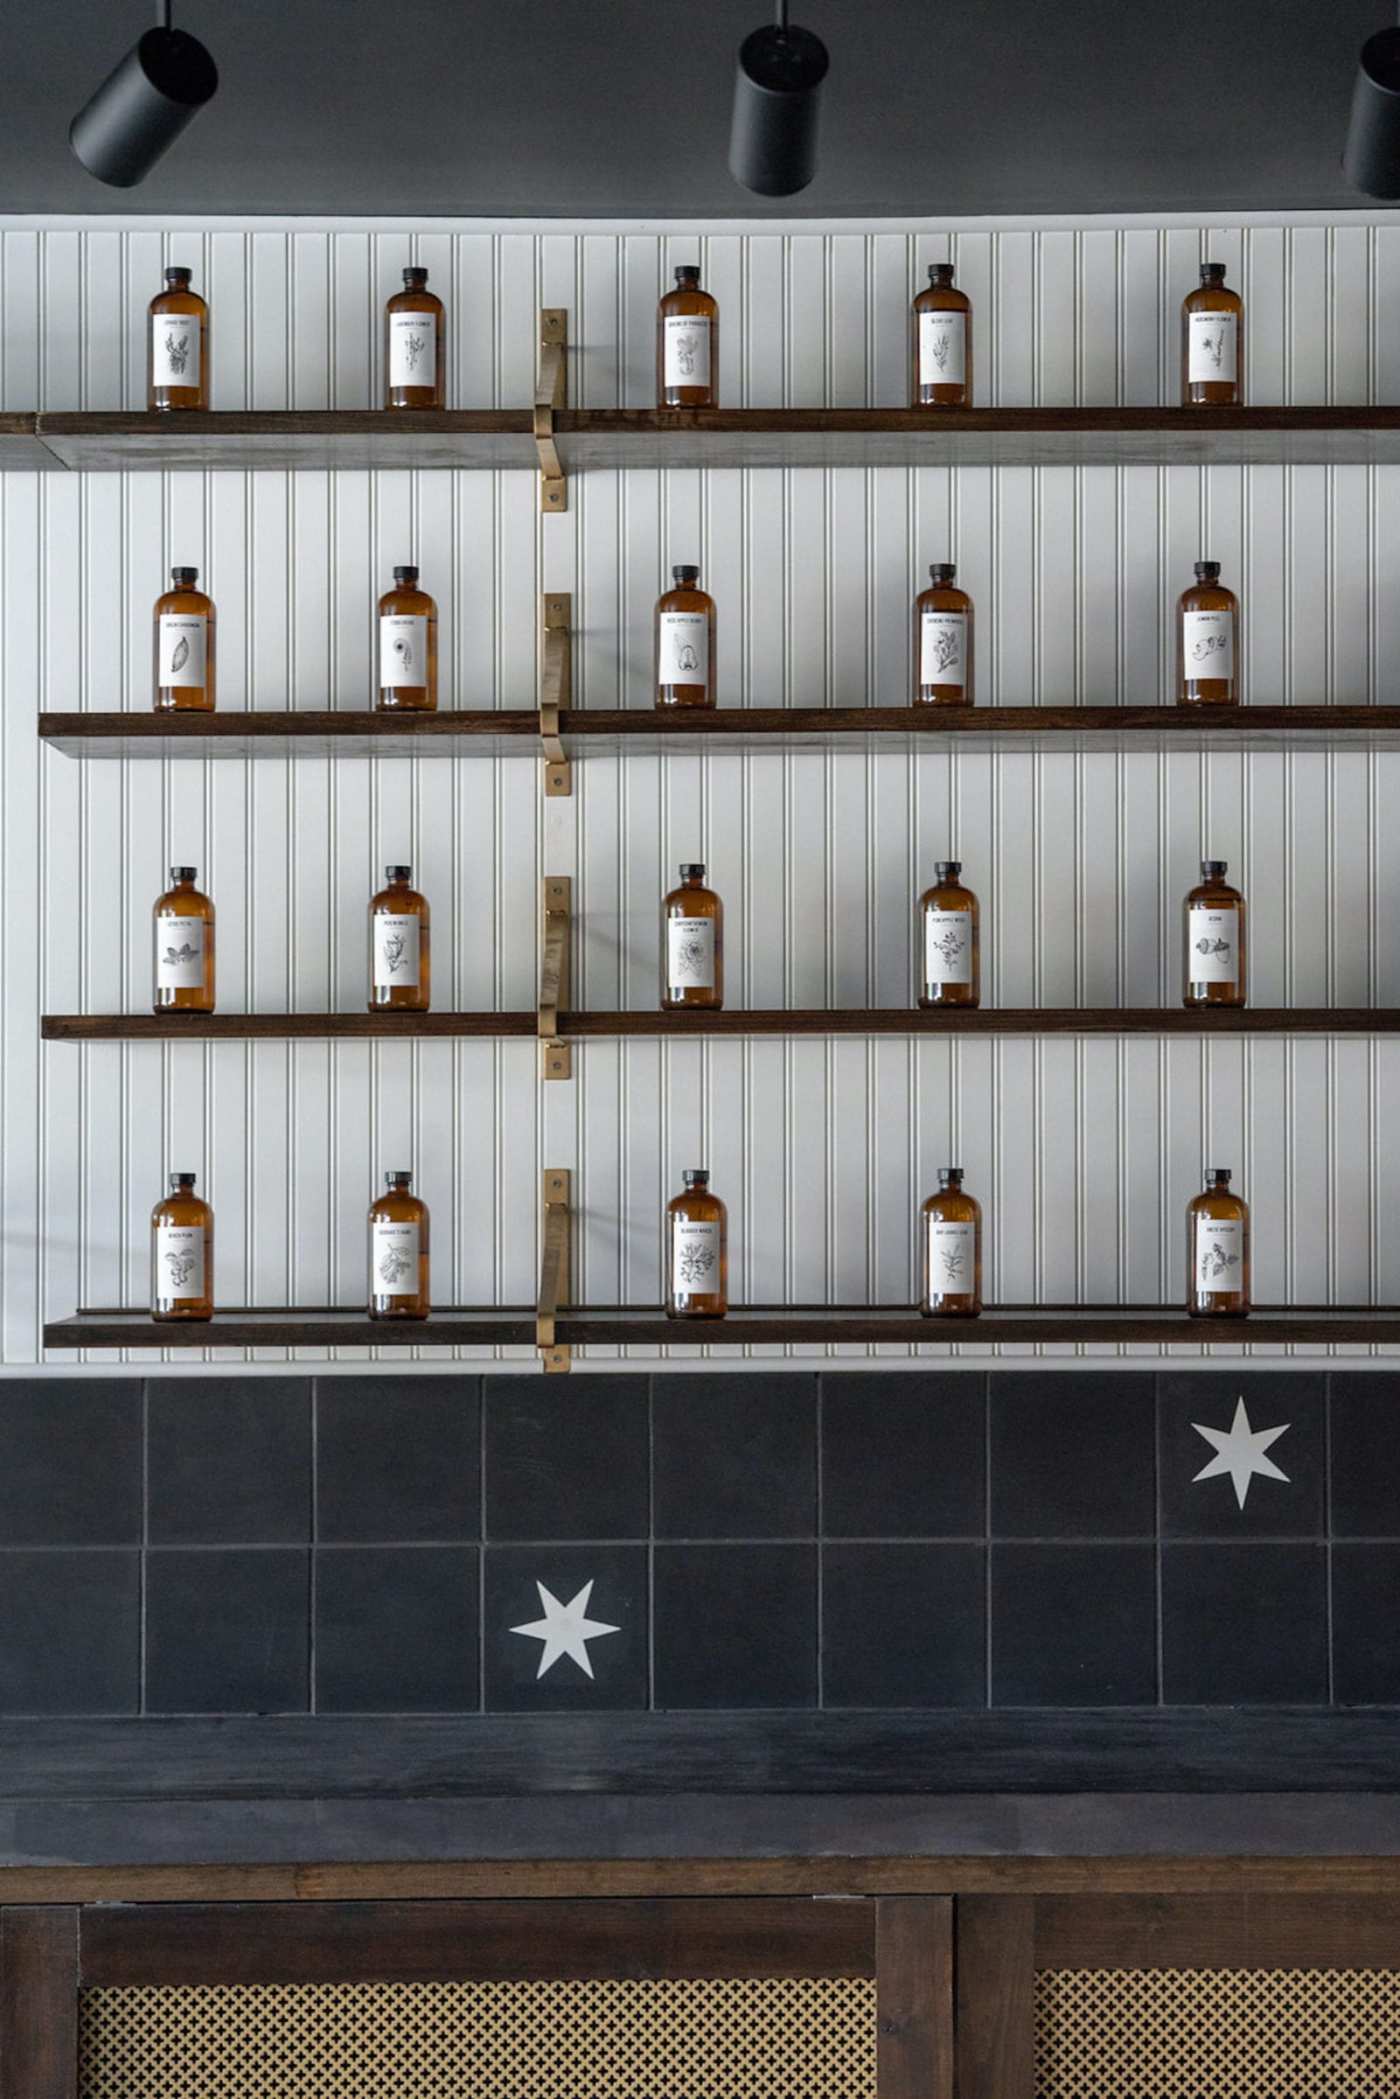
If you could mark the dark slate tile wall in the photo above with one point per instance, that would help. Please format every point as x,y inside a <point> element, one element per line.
<point>444,1544</point>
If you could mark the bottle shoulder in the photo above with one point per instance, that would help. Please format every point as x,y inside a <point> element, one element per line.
<point>942,298</point>
<point>400,900</point>
<point>408,602</point>
<point>415,301</point>
<point>688,305</point>
<point>187,601</point>
<point>1214,895</point>
<point>690,902</point>
<point>684,598</point>
<point>948,896</point>
<point>943,597</point>
<point>183,903</point>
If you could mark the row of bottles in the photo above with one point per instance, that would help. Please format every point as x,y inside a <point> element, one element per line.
<point>684,654</point>
<point>697,1251</point>
<point>692,943</point>
<point>687,344</point>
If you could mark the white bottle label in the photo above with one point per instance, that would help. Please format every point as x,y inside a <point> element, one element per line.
<point>403,649</point>
<point>1212,945</point>
<point>690,954</point>
<point>413,349</point>
<point>683,649</point>
<point>947,947</point>
<point>184,648</point>
<point>1219,1253</point>
<point>393,1259</point>
<point>942,349</point>
<point>395,950</point>
<point>178,1262</point>
<point>694,1258</point>
<point>685,341</point>
<point>943,649</point>
<point>175,349</point>
<point>952,1258</point>
<point>179,954</point>
<point>1208,644</point>
<point>1211,343</point>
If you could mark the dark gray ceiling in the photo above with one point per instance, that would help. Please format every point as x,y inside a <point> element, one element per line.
<point>620,107</point>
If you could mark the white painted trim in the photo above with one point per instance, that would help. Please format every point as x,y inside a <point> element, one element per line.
<point>1048,222</point>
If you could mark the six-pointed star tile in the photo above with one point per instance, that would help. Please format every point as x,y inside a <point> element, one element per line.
<point>565,1629</point>
<point>1239,1451</point>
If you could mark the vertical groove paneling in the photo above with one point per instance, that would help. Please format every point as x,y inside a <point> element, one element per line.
<point>1083,1154</point>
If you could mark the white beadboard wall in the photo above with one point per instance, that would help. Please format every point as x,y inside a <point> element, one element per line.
<point>1084,1154</point>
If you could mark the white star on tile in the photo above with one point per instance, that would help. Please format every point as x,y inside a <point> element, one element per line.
<point>1239,1450</point>
<point>565,1629</point>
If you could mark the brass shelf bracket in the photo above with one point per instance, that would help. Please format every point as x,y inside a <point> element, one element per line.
<point>551,392</point>
<point>556,683</point>
<point>554,1268</point>
<point>556,899</point>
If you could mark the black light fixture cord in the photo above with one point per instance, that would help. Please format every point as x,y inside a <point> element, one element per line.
<point>163,13</point>
<point>782,17</point>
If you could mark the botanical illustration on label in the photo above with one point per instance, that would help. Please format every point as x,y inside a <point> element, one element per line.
<point>1212,945</point>
<point>395,950</point>
<point>403,649</point>
<point>1211,340</point>
<point>943,649</point>
<point>1208,644</point>
<point>1219,1253</point>
<point>184,644</point>
<point>942,349</point>
<point>393,1258</point>
<point>180,954</point>
<point>690,954</point>
<point>947,947</point>
<point>179,1261</point>
<point>685,341</point>
<point>683,649</point>
<point>694,1257</point>
<point>413,349</point>
<point>952,1257</point>
<point>175,349</point>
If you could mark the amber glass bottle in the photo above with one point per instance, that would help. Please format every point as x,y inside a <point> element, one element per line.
<point>949,941</point>
<point>1212,343</point>
<point>1217,1250</point>
<point>182,925</point>
<point>952,1223</point>
<point>685,643</point>
<point>687,345</point>
<point>1207,642</point>
<point>398,1252</point>
<point>943,641</point>
<point>182,1254</point>
<point>697,1251</point>
<point>407,647</point>
<point>184,646</point>
<point>692,944</point>
<point>400,946</point>
<point>1214,947</point>
<point>177,346</point>
<point>941,345</point>
<point>415,346</point>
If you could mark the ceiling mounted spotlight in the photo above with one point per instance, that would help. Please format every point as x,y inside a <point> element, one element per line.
<point>777,101</point>
<point>140,109</point>
<point>1371,162</point>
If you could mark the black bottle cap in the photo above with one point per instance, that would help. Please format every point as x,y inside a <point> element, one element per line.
<point>692,870</point>
<point>1212,273</point>
<point>1214,867</point>
<point>696,1176</point>
<point>182,1180</point>
<point>406,574</point>
<point>178,274</point>
<point>1219,1173</point>
<point>184,575</point>
<point>947,870</point>
<point>183,874</point>
<point>940,273</point>
<point>415,275</point>
<point>950,1176</point>
<point>1207,571</point>
<point>400,1178</point>
<point>686,573</point>
<point>398,874</point>
<point>688,273</point>
<point>944,571</point>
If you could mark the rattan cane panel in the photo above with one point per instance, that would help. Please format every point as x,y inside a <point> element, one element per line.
<point>750,2039</point>
<point>1217,2033</point>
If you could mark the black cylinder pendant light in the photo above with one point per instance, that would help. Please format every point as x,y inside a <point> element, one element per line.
<point>777,101</point>
<point>1371,162</point>
<point>142,107</point>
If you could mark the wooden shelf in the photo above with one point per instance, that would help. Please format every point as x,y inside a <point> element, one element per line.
<point>596,439</point>
<point>726,1025</point>
<point>817,1326</point>
<point>597,731</point>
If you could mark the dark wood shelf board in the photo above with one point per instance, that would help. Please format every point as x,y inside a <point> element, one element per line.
<point>595,439</point>
<point>747,1326</point>
<point>598,731</point>
<point>729,1024</point>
